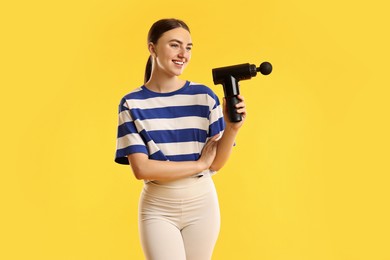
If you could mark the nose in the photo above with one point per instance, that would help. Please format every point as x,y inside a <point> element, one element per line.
<point>182,52</point>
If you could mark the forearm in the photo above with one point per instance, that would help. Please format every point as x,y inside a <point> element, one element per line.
<point>224,148</point>
<point>147,169</point>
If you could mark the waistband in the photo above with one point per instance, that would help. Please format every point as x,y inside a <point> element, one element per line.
<point>201,174</point>
<point>181,188</point>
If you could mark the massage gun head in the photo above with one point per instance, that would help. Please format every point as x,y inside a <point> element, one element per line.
<point>240,72</point>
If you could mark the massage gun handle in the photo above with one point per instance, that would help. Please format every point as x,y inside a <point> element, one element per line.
<point>231,108</point>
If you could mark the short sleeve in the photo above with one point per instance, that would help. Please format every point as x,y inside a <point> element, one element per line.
<point>128,139</point>
<point>216,120</point>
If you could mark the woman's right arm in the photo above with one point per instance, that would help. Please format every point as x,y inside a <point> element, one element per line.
<point>148,169</point>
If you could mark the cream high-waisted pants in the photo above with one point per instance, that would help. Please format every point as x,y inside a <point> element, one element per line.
<point>179,220</point>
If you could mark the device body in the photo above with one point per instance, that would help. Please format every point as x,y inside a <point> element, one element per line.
<point>230,76</point>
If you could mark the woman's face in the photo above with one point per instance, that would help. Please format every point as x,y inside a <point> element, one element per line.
<point>172,51</point>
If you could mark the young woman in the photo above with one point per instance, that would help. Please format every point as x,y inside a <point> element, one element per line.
<point>173,134</point>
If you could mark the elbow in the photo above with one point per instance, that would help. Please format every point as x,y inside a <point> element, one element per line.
<point>138,163</point>
<point>215,167</point>
<point>138,176</point>
<point>217,164</point>
<point>138,173</point>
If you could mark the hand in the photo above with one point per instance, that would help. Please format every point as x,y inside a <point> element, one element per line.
<point>209,152</point>
<point>240,108</point>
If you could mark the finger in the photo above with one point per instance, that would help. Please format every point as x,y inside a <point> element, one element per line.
<point>241,98</point>
<point>241,111</point>
<point>209,149</point>
<point>212,147</point>
<point>211,141</point>
<point>240,105</point>
<point>215,137</point>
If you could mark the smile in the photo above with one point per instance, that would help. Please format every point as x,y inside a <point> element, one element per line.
<point>178,62</point>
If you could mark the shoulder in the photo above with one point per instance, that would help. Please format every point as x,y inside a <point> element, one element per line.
<point>201,90</point>
<point>198,88</point>
<point>137,93</point>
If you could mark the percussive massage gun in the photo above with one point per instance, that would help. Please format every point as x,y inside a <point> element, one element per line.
<point>229,78</point>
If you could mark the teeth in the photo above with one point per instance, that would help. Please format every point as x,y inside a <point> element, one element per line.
<point>178,62</point>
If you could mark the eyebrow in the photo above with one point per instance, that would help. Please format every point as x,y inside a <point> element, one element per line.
<point>180,42</point>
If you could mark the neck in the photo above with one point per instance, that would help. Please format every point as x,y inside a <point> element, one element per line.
<point>162,83</point>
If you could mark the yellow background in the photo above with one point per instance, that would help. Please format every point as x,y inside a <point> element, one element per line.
<point>309,177</point>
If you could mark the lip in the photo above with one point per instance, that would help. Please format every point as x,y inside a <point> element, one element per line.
<point>179,62</point>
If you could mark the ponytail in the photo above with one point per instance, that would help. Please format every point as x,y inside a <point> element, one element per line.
<point>148,69</point>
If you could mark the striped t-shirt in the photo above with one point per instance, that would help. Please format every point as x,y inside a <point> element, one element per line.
<point>170,126</point>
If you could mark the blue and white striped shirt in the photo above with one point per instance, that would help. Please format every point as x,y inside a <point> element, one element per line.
<point>170,126</point>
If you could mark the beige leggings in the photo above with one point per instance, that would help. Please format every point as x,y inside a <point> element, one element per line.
<point>179,220</point>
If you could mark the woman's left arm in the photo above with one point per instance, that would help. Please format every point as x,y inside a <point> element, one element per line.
<point>225,144</point>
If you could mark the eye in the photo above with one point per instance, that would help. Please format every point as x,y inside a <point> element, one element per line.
<point>189,48</point>
<point>174,45</point>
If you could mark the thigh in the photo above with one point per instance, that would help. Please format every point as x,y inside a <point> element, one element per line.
<point>161,240</point>
<point>159,233</point>
<point>201,234</point>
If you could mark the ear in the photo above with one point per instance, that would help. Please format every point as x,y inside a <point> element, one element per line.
<point>152,49</point>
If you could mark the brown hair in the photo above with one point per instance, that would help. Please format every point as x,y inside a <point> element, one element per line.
<point>155,32</point>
